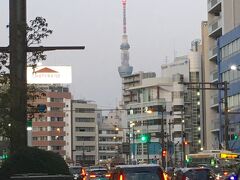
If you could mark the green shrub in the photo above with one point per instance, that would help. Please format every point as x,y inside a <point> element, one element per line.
<point>33,160</point>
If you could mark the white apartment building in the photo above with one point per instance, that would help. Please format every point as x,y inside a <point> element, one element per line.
<point>84,132</point>
<point>110,134</point>
<point>152,94</point>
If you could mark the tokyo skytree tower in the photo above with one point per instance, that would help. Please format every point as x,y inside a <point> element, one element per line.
<point>124,69</point>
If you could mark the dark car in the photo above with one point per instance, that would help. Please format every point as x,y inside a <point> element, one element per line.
<point>97,173</point>
<point>198,173</point>
<point>78,172</point>
<point>138,172</point>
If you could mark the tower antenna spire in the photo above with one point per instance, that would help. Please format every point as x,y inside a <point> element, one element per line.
<point>124,3</point>
<point>124,69</point>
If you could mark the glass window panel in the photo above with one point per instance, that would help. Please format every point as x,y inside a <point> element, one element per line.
<point>230,76</point>
<point>234,46</point>
<point>235,100</point>
<point>230,49</point>
<point>238,44</point>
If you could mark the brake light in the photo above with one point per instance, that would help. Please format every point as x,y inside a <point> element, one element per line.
<point>83,172</point>
<point>92,176</point>
<point>108,175</point>
<point>121,177</point>
<point>165,176</point>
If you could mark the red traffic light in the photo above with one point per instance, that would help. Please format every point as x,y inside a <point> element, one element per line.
<point>185,142</point>
<point>164,153</point>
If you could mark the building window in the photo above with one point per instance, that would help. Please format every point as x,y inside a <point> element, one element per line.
<point>56,109</point>
<point>56,148</point>
<point>85,148</point>
<point>230,49</point>
<point>87,120</point>
<point>84,110</point>
<point>56,100</point>
<point>85,138</point>
<point>56,119</point>
<point>85,129</point>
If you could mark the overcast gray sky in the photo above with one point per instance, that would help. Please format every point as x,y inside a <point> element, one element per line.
<point>155,28</point>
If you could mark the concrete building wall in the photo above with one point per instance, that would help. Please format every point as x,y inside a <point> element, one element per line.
<point>85,135</point>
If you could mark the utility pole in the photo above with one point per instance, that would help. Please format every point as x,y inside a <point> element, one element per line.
<point>226,115</point>
<point>18,82</point>
<point>18,70</point>
<point>162,137</point>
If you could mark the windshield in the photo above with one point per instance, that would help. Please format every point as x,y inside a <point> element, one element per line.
<point>199,174</point>
<point>75,170</point>
<point>142,176</point>
<point>143,173</point>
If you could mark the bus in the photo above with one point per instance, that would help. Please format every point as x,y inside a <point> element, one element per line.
<point>213,158</point>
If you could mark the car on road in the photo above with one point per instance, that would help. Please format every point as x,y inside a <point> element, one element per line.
<point>97,173</point>
<point>78,172</point>
<point>138,172</point>
<point>195,173</point>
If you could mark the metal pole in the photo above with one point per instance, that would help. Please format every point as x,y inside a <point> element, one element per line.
<point>183,138</point>
<point>226,115</point>
<point>18,81</point>
<point>147,147</point>
<point>129,142</point>
<point>162,138</point>
<point>133,143</point>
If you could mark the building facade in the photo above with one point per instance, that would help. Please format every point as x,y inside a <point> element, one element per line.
<point>228,58</point>
<point>84,133</point>
<point>153,94</point>
<point>51,129</point>
<point>110,134</point>
<point>223,16</point>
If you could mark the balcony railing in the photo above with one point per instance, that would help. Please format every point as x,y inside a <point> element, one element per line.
<point>212,52</point>
<point>214,100</point>
<point>215,25</point>
<point>214,76</point>
<point>215,125</point>
<point>213,3</point>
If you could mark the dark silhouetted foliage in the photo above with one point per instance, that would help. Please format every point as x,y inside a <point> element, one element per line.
<point>33,160</point>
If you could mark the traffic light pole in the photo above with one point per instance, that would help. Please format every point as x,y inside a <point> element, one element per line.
<point>162,138</point>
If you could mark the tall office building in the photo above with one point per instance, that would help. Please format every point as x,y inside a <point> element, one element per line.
<point>84,132</point>
<point>223,16</point>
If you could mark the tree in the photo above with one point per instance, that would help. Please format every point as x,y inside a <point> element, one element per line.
<point>36,31</point>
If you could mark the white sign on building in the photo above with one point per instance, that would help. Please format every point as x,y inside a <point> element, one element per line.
<point>49,75</point>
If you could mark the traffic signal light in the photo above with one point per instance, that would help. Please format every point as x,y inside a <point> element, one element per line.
<point>185,142</point>
<point>213,162</point>
<point>235,137</point>
<point>164,153</point>
<point>145,138</point>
